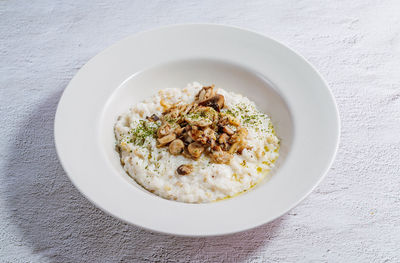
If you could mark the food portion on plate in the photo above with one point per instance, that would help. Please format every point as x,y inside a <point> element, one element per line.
<point>196,144</point>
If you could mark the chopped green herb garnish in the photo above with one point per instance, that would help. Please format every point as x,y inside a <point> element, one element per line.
<point>142,131</point>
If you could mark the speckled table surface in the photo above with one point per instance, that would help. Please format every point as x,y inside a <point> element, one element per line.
<point>353,215</point>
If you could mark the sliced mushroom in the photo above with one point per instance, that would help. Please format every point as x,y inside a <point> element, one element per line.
<point>216,102</point>
<point>235,147</point>
<point>176,147</point>
<point>184,169</point>
<point>202,122</point>
<point>227,130</point>
<point>239,135</point>
<point>220,156</point>
<point>223,138</point>
<point>165,129</point>
<point>208,136</point>
<point>179,130</point>
<point>209,133</point>
<point>211,143</point>
<point>233,121</point>
<point>201,116</point>
<point>225,146</point>
<point>166,139</point>
<point>186,153</point>
<point>195,149</point>
<point>187,139</point>
<point>227,119</point>
<point>194,133</point>
<point>173,115</point>
<point>186,108</point>
<point>152,118</point>
<point>205,93</point>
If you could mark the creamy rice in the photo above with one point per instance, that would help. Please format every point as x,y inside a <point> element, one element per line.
<point>155,168</point>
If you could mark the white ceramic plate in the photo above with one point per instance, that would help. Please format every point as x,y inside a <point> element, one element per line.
<point>281,82</point>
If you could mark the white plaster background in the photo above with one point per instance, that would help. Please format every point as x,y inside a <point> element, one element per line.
<point>354,214</point>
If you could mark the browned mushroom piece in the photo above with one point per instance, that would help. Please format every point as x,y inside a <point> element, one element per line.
<point>176,147</point>
<point>205,93</point>
<point>223,141</point>
<point>220,156</point>
<point>223,138</point>
<point>242,146</point>
<point>227,130</point>
<point>187,139</point>
<point>209,133</point>
<point>202,136</point>
<point>211,143</point>
<point>239,135</point>
<point>165,129</point>
<point>186,108</point>
<point>152,118</point>
<point>172,117</point>
<point>184,169</point>
<point>186,153</point>
<point>201,116</point>
<point>234,147</point>
<point>209,136</point>
<point>179,130</point>
<point>227,119</point>
<point>194,133</point>
<point>195,149</point>
<point>233,121</point>
<point>166,139</point>
<point>216,102</point>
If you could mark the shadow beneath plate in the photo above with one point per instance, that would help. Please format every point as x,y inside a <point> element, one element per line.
<point>62,226</point>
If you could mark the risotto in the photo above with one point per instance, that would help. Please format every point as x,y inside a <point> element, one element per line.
<point>196,144</point>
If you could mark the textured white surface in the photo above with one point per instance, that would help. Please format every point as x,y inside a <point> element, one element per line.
<point>353,216</point>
